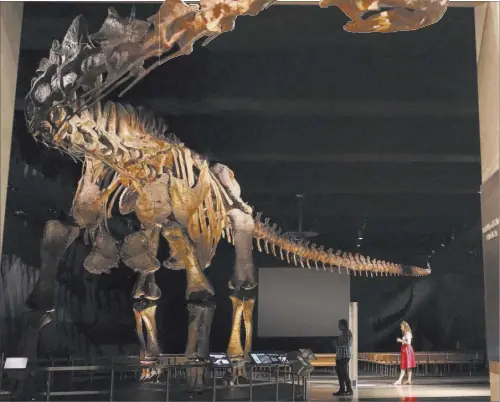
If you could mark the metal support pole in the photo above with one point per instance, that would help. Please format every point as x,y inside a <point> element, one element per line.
<point>72,372</point>
<point>167,384</point>
<point>47,396</point>
<point>277,383</point>
<point>251,383</point>
<point>293,385</point>
<point>112,381</point>
<point>214,384</point>
<point>353,326</point>
<point>1,370</point>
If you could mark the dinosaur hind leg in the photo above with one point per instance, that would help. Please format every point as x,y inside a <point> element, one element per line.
<point>241,308</point>
<point>243,284</point>
<point>139,253</point>
<point>248,306</point>
<point>235,350</point>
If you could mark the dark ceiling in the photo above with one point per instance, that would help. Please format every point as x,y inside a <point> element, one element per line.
<point>374,129</point>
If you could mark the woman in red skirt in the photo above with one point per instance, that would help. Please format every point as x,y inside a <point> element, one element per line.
<point>407,354</point>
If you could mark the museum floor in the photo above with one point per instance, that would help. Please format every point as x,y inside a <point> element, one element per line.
<point>321,387</point>
<point>423,389</point>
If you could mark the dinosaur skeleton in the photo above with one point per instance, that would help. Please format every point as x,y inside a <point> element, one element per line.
<point>130,160</point>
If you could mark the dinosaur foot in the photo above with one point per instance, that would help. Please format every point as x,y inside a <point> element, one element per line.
<point>238,371</point>
<point>149,374</point>
<point>197,378</point>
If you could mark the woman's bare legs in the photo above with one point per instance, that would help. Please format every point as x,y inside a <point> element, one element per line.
<point>408,382</point>
<point>398,382</point>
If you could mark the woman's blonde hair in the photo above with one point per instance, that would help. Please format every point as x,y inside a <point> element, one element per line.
<point>406,327</point>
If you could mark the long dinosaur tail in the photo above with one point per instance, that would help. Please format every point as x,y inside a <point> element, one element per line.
<point>299,252</point>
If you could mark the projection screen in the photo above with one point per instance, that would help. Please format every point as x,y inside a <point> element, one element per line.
<point>298,302</point>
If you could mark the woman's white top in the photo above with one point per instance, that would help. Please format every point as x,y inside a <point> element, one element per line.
<point>407,338</point>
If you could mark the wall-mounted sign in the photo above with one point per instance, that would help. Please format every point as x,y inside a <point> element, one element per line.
<point>490,217</point>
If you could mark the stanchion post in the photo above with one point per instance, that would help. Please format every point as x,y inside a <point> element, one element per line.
<point>214,384</point>
<point>112,380</point>
<point>277,382</point>
<point>293,385</point>
<point>91,373</point>
<point>47,392</point>
<point>353,326</point>
<point>167,383</point>
<point>1,370</point>
<point>251,382</point>
<point>72,372</point>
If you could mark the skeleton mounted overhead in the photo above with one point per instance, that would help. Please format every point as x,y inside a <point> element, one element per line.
<point>130,161</point>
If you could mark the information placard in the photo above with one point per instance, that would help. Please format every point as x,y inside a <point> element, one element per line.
<point>219,359</point>
<point>269,358</point>
<point>15,363</point>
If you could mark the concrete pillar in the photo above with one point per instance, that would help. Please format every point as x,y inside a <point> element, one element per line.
<point>353,326</point>
<point>11,19</point>
<point>487,18</point>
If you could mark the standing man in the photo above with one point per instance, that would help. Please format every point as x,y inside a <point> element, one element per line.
<point>344,344</point>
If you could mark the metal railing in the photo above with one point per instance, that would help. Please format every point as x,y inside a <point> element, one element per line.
<point>427,363</point>
<point>173,375</point>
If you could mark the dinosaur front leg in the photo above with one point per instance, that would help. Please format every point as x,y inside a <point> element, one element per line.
<point>57,237</point>
<point>145,318</point>
<point>139,253</point>
<point>198,293</point>
<point>183,255</point>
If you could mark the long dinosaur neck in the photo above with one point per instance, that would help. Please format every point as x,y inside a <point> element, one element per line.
<point>298,252</point>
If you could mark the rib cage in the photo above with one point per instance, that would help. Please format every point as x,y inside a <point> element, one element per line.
<point>117,146</point>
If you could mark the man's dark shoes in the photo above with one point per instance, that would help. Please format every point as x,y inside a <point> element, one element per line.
<point>344,393</point>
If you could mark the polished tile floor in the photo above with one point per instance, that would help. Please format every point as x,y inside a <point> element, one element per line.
<point>422,389</point>
<point>321,387</point>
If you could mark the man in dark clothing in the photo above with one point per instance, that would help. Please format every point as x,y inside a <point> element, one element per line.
<point>344,344</point>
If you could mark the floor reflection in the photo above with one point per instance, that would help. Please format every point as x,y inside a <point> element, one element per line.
<point>422,389</point>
